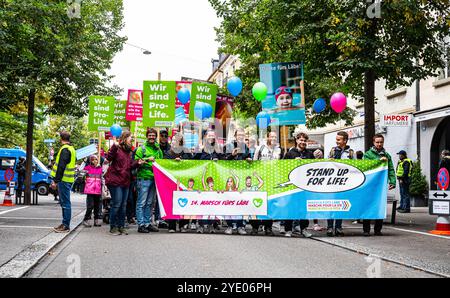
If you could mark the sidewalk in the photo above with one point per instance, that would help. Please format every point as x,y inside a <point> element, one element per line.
<point>28,230</point>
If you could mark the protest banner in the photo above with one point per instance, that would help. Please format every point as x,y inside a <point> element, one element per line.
<point>294,189</point>
<point>138,129</point>
<point>159,103</point>
<point>120,114</point>
<point>202,93</point>
<point>287,107</point>
<point>101,113</point>
<point>134,105</point>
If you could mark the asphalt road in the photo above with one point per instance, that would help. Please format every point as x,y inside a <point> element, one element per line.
<point>91,252</point>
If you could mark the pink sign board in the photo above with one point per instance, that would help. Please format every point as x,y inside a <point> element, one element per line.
<point>134,105</point>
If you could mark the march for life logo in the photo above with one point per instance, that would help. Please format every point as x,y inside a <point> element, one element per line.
<point>219,203</point>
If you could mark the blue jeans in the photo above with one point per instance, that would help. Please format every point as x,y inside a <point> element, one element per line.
<point>405,200</point>
<point>119,197</point>
<point>337,224</point>
<point>146,195</point>
<point>64,201</point>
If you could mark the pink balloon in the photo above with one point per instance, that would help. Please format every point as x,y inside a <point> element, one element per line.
<point>338,102</point>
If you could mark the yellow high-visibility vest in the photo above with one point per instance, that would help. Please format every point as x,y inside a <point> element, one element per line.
<point>400,167</point>
<point>69,172</point>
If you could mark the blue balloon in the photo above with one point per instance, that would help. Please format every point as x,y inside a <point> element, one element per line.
<point>184,95</point>
<point>234,85</point>
<point>207,110</point>
<point>263,120</point>
<point>319,105</point>
<point>116,130</point>
<point>199,110</point>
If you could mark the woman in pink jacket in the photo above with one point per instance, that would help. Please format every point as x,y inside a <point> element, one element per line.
<point>93,189</point>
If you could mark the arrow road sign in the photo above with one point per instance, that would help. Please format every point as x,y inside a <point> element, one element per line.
<point>439,194</point>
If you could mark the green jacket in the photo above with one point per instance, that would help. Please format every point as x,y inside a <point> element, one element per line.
<point>145,170</point>
<point>373,154</point>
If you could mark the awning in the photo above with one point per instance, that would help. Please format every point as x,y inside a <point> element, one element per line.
<point>432,114</point>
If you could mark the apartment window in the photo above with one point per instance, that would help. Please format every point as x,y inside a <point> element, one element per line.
<point>445,71</point>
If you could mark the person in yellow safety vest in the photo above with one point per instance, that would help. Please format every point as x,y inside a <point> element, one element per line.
<point>63,173</point>
<point>403,173</point>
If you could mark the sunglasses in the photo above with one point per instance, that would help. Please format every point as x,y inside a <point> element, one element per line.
<point>279,90</point>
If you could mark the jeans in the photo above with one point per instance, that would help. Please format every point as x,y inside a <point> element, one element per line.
<point>131,203</point>
<point>336,223</point>
<point>146,195</point>
<point>20,181</point>
<point>405,201</point>
<point>266,223</point>
<point>93,202</point>
<point>378,225</point>
<point>64,201</point>
<point>119,196</point>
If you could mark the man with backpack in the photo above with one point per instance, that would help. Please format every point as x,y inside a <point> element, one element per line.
<point>341,151</point>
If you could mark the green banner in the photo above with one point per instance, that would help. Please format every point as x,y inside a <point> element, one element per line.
<point>159,103</point>
<point>101,113</point>
<point>204,93</point>
<point>120,107</point>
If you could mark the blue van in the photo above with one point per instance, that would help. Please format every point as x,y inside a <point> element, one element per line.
<point>40,178</point>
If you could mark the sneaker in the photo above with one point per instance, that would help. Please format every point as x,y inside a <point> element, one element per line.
<point>268,232</point>
<point>288,234</point>
<point>200,230</point>
<point>87,223</point>
<point>366,234</point>
<point>306,234</point>
<point>132,221</point>
<point>171,231</point>
<point>97,223</point>
<point>212,230</point>
<point>339,232</point>
<point>354,222</point>
<point>152,228</point>
<point>330,232</point>
<point>162,225</point>
<point>229,231</point>
<point>254,232</point>
<point>143,229</point>
<point>242,231</point>
<point>297,229</point>
<point>123,231</point>
<point>403,211</point>
<point>114,232</point>
<point>282,230</point>
<point>317,227</point>
<point>378,233</point>
<point>193,226</point>
<point>61,229</point>
<point>183,229</point>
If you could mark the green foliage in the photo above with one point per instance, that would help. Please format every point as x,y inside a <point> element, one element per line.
<point>419,184</point>
<point>338,43</point>
<point>64,58</point>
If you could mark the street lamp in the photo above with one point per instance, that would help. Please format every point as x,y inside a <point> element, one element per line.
<point>144,51</point>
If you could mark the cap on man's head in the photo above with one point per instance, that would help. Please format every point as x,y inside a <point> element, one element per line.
<point>402,152</point>
<point>163,131</point>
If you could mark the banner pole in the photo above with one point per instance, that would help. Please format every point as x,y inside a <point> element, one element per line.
<point>99,145</point>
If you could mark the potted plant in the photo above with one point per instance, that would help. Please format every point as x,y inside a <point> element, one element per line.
<point>418,189</point>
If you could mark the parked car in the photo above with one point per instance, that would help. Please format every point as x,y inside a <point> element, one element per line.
<point>40,178</point>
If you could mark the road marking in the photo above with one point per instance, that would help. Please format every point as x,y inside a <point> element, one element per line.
<point>417,232</point>
<point>6,211</point>
<point>43,218</point>
<point>31,227</point>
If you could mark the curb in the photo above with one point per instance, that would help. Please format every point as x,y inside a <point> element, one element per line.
<point>25,260</point>
<point>404,261</point>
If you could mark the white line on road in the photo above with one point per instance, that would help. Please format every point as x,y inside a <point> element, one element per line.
<point>10,210</point>
<point>417,232</point>
<point>43,218</point>
<point>30,227</point>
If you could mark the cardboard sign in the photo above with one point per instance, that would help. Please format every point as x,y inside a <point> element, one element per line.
<point>101,113</point>
<point>134,105</point>
<point>159,103</point>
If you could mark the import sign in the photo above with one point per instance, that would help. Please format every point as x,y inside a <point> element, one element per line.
<point>396,120</point>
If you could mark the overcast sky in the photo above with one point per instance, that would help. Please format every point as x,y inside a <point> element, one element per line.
<point>179,33</point>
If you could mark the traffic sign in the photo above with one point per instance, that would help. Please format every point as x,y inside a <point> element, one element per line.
<point>439,195</point>
<point>443,178</point>
<point>9,175</point>
<point>49,140</point>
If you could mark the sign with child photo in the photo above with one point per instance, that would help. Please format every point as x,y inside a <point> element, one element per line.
<point>285,189</point>
<point>284,102</point>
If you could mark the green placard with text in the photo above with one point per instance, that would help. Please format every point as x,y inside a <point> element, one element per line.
<point>120,108</point>
<point>159,103</point>
<point>101,112</point>
<point>202,92</point>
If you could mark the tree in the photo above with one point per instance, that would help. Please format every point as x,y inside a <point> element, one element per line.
<point>46,51</point>
<point>345,47</point>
